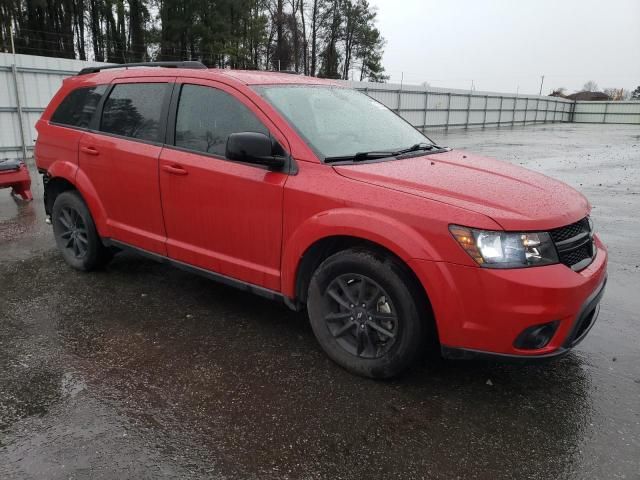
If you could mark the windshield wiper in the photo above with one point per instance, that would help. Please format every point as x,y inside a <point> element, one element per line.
<point>420,146</point>
<point>360,156</point>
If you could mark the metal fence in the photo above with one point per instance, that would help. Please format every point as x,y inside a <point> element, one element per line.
<point>435,108</point>
<point>28,83</point>
<point>26,86</point>
<point>607,112</point>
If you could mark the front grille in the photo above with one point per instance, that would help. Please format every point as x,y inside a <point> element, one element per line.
<point>577,255</point>
<point>570,231</point>
<point>574,244</point>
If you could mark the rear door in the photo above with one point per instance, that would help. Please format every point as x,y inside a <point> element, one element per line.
<point>220,215</point>
<point>120,157</point>
<point>58,138</point>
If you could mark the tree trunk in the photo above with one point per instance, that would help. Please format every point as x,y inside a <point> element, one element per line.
<point>78,26</point>
<point>305,44</point>
<point>137,45</point>
<point>314,38</point>
<point>296,35</point>
<point>121,35</point>
<point>331,59</point>
<point>99,36</point>
<point>279,38</point>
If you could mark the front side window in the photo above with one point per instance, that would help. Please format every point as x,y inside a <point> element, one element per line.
<point>78,107</point>
<point>133,110</point>
<point>207,116</point>
<point>341,122</point>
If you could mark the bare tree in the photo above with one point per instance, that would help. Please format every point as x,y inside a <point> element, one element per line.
<point>281,60</point>
<point>316,25</point>
<point>295,33</point>
<point>305,43</point>
<point>590,86</point>
<point>617,94</point>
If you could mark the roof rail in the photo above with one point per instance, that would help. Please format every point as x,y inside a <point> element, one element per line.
<point>185,64</point>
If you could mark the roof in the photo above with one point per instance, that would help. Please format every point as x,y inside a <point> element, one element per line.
<point>246,77</point>
<point>588,96</point>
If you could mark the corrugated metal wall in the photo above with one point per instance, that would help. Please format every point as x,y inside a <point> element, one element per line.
<point>38,78</point>
<point>607,112</point>
<point>434,108</point>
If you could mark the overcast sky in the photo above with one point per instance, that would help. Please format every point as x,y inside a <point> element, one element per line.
<point>504,45</point>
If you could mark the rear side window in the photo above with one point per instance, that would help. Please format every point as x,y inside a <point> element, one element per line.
<point>207,116</point>
<point>133,110</point>
<point>79,106</point>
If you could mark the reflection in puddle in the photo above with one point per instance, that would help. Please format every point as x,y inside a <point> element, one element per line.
<point>21,221</point>
<point>27,393</point>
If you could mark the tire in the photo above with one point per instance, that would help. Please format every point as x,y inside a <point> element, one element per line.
<point>380,339</point>
<point>75,233</point>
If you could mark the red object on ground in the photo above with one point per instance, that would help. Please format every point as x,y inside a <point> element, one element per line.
<point>15,175</point>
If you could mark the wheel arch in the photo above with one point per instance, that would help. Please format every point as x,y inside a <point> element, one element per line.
<point>54,186</point>
<point>323,248</point>
<point>346,226</point>
<point>64,176</point>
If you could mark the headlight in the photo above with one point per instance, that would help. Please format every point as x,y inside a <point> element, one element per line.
<point>495,249</point>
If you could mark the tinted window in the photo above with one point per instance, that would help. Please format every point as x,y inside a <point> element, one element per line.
<point>78,107</point>
<point>133,110</point>
<point>206,117</point>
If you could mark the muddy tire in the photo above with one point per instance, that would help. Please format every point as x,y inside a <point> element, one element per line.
<point>75,233</point>
<point>364,312</point>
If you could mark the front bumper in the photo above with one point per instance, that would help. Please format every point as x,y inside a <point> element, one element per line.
<point>584,322</point>
<point>480,312</point>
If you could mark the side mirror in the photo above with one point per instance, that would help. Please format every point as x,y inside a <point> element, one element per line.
<point>253,147</point>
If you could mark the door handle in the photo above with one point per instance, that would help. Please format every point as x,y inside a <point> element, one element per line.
<point>174,170</point>
<point>89,150</point>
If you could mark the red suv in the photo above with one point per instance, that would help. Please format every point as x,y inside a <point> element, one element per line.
<point>299,189</point>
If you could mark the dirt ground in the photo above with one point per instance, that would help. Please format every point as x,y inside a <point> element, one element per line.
<point>144,371</point>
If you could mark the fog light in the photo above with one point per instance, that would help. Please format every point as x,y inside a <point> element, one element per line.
<point>537,336</point>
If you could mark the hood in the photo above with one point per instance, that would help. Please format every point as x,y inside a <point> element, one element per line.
<point>516,198</point>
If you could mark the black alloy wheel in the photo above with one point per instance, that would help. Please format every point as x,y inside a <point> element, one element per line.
<point>76,234</point>
<point>367,312</point>
<point>73,232</point>
<point>362,317</point>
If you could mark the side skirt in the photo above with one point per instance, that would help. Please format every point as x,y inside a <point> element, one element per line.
<point>218,277</point>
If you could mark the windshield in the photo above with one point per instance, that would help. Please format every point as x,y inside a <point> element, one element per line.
<point>341,122</point>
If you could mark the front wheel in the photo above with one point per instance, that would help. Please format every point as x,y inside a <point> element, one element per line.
<point>364,312</point>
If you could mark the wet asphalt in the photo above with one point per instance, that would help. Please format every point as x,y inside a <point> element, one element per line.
<point>144,371</point>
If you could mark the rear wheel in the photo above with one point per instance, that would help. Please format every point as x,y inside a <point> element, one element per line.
<point>75,233</point>
<point>364,313</point>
